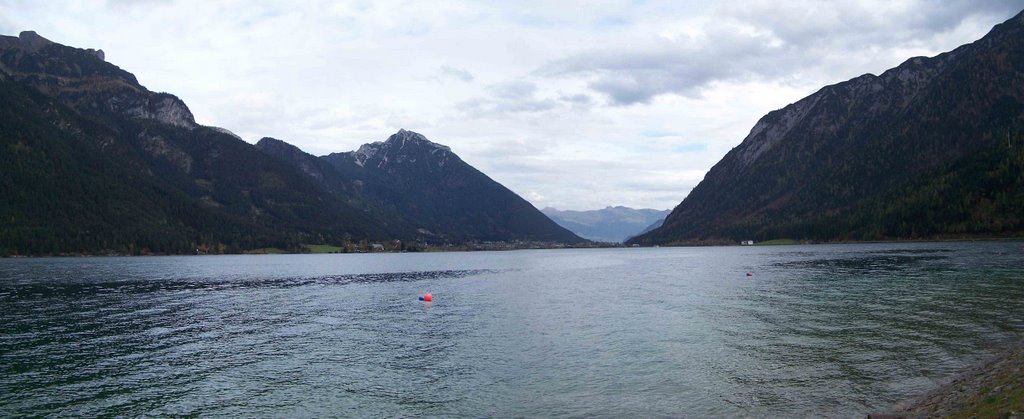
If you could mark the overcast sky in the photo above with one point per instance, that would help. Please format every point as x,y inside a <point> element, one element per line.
<point>575,105</point>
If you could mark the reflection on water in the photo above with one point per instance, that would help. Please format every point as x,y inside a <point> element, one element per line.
<point>828,330</point>
<point>30,288</point>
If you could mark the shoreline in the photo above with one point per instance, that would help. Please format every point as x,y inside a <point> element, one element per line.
<point>468,248</point>
<point>991,388</point>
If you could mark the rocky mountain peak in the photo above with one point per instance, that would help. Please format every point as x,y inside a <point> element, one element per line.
<point>406,134</point>
<point>31,42</point>
<point>403,146</point>
<point>273,142</point>
<point>403,137</point>
<point>366,152</point>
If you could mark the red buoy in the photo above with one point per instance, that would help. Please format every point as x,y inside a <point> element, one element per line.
<point>428,297</point>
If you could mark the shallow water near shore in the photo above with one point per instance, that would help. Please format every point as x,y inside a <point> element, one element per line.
<point>833,330</point>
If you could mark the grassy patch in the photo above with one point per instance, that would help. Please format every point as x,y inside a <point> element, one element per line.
<point>777,242</point>
<point>322,248</point>
<point>1009,399</point>
<point>266,251</point>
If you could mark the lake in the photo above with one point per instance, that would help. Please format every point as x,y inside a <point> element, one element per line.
<point>823,330</point>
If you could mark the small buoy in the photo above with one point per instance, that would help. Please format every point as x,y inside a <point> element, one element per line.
<point>421,298</point>
<point>428,297</point>
<point>750,274</point>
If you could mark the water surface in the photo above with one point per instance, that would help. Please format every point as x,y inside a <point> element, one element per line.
<point>829,330</point>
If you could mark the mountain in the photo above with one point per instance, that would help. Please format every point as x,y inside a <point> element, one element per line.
<point>93,162</point>
<point>651,227</point>
<point>930,149</point>
<point>611,224</point>
<point>427,189</point>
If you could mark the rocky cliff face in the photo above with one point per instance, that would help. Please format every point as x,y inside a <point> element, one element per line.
<point>846,105</point>
<point>30,43</point>
<point>83,80</point>
<point>844,162</point>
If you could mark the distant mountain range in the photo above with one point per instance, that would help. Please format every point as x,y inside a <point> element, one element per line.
<point>93,162</point>
<point>611,224</point>
<point>933,148</point>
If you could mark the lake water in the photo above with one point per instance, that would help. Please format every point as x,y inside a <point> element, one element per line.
<point>827,330</point>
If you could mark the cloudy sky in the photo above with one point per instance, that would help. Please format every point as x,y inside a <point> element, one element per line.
<point>571,104</point>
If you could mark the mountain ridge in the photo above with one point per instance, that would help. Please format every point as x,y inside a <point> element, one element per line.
<point>129,171</point>
<point>612,224</point>
<point>835,165</point>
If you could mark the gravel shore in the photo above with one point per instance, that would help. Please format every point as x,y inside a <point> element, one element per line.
<point>991,389</point>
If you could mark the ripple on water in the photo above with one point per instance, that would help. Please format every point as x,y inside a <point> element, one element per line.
<point>835,330</point>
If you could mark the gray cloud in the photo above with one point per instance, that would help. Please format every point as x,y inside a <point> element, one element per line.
<point>853,26</point>
<point>522,97</point>
<point>579,99</point>
<point>128,4</point>
<point>857,22</point>
<point>516,89</point>
<point>456,73</point>
<point>664,66</point>
<point>762,40</point>
<point>518,96</point>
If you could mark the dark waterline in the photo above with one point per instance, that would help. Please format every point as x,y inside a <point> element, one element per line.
<point>833,330</point>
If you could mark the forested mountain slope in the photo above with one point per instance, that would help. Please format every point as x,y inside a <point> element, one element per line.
<point>931,148</point>
<point>93,162</point>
